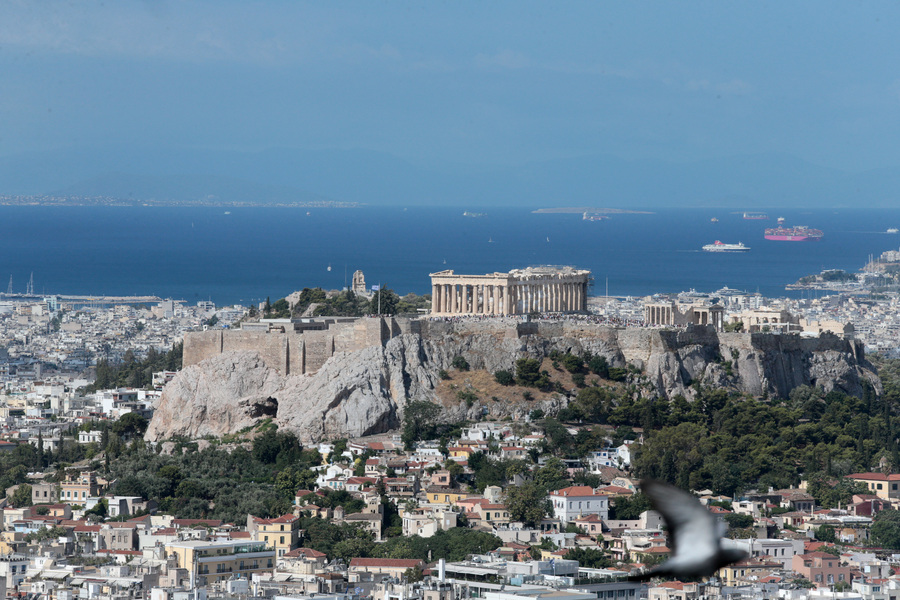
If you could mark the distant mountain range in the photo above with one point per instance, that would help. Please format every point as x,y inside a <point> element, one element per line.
<point>280,175</point>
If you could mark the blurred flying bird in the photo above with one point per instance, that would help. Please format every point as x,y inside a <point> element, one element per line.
<point>695,535</point>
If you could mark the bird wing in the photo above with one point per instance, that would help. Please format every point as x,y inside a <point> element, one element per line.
<point>693,530</point>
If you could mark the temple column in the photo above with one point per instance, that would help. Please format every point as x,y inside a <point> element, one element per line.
<point>435,302</point>
<point>452,287</point>
<point>481,299</point>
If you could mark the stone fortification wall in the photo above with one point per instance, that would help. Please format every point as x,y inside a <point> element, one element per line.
<point>296,352</point>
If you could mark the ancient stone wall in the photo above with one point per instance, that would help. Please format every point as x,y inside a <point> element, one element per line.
<point>297,352</point>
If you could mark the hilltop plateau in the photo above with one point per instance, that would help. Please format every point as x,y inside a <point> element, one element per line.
<point>366,391</point>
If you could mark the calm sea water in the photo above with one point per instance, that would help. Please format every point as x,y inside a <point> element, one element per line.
<point>252,253</point>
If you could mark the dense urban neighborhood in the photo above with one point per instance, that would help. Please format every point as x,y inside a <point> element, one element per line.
<point>545,506</point>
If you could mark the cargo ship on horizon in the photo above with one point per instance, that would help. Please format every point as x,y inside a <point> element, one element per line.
<point>800,233</point>
<point>756,216</point>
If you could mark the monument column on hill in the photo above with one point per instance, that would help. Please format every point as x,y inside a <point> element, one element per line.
<point>521,291</point>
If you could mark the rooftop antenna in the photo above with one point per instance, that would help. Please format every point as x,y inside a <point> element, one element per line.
<point>9,289</point>
<point>29,291</point>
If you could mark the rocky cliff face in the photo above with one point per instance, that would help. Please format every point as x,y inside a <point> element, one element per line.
<point>365,392</point>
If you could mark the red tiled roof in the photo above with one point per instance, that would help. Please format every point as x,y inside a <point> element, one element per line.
<point>194,522</point>
<point>281,519</point>
<point>577,491</point>
<point>875,476</point>
<point>305,552</point>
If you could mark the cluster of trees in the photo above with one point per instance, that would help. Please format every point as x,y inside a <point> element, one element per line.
<point>215,484</point>
<point>347,304</point>
<point>528,372</point>
<point>348,541</point>
<point>134,372</point>
<point>420,422</point>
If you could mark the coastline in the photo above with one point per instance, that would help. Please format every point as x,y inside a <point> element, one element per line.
<point>591,209</point>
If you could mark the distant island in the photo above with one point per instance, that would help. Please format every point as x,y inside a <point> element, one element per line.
<point>590,209</point>
<point>212,201</point>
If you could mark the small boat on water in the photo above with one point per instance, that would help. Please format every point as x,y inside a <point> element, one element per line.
<point>893,230</point>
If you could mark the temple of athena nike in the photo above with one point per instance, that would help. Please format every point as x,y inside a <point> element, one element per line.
<point>519,292</point>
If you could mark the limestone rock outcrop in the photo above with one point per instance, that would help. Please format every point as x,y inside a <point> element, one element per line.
<point>365,391</point>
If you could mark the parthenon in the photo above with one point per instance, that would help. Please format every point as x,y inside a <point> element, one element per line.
<point>521,291</point>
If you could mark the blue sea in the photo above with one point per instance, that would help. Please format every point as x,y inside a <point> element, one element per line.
<point>253,253</point>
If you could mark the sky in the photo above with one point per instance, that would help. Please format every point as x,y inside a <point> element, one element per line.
<point>467,83</point>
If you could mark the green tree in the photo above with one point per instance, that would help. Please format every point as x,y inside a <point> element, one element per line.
<point>460,363</point>
<point>355,547</point>
<point>528,503</point>
<point>552,476</point>
<point>572,363</point>
<point>825,533</point>
<point>22,496</point>
<point>599,366</point>
<point>589,558</point>
<point>384,302</point>
<point>504,377</point>
<point>419,422</point>
<point>528,370</point>
<point>885,530</point>
<point>130,424</point>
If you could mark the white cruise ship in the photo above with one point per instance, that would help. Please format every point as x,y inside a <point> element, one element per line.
<point>718,246</point>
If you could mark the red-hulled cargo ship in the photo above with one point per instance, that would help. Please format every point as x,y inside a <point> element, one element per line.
<point>800,233</point>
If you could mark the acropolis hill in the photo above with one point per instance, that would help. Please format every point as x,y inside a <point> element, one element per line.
<point>330,378</point>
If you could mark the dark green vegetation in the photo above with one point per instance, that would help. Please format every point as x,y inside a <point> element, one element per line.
<point>728,442</point>
<point>347,541</point>
<point>723,441</point>
<point>134,372</point>
<point>347,304</point>
<point>215,484</point>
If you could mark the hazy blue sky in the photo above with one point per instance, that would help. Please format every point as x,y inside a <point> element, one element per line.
<point>456,81</point>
